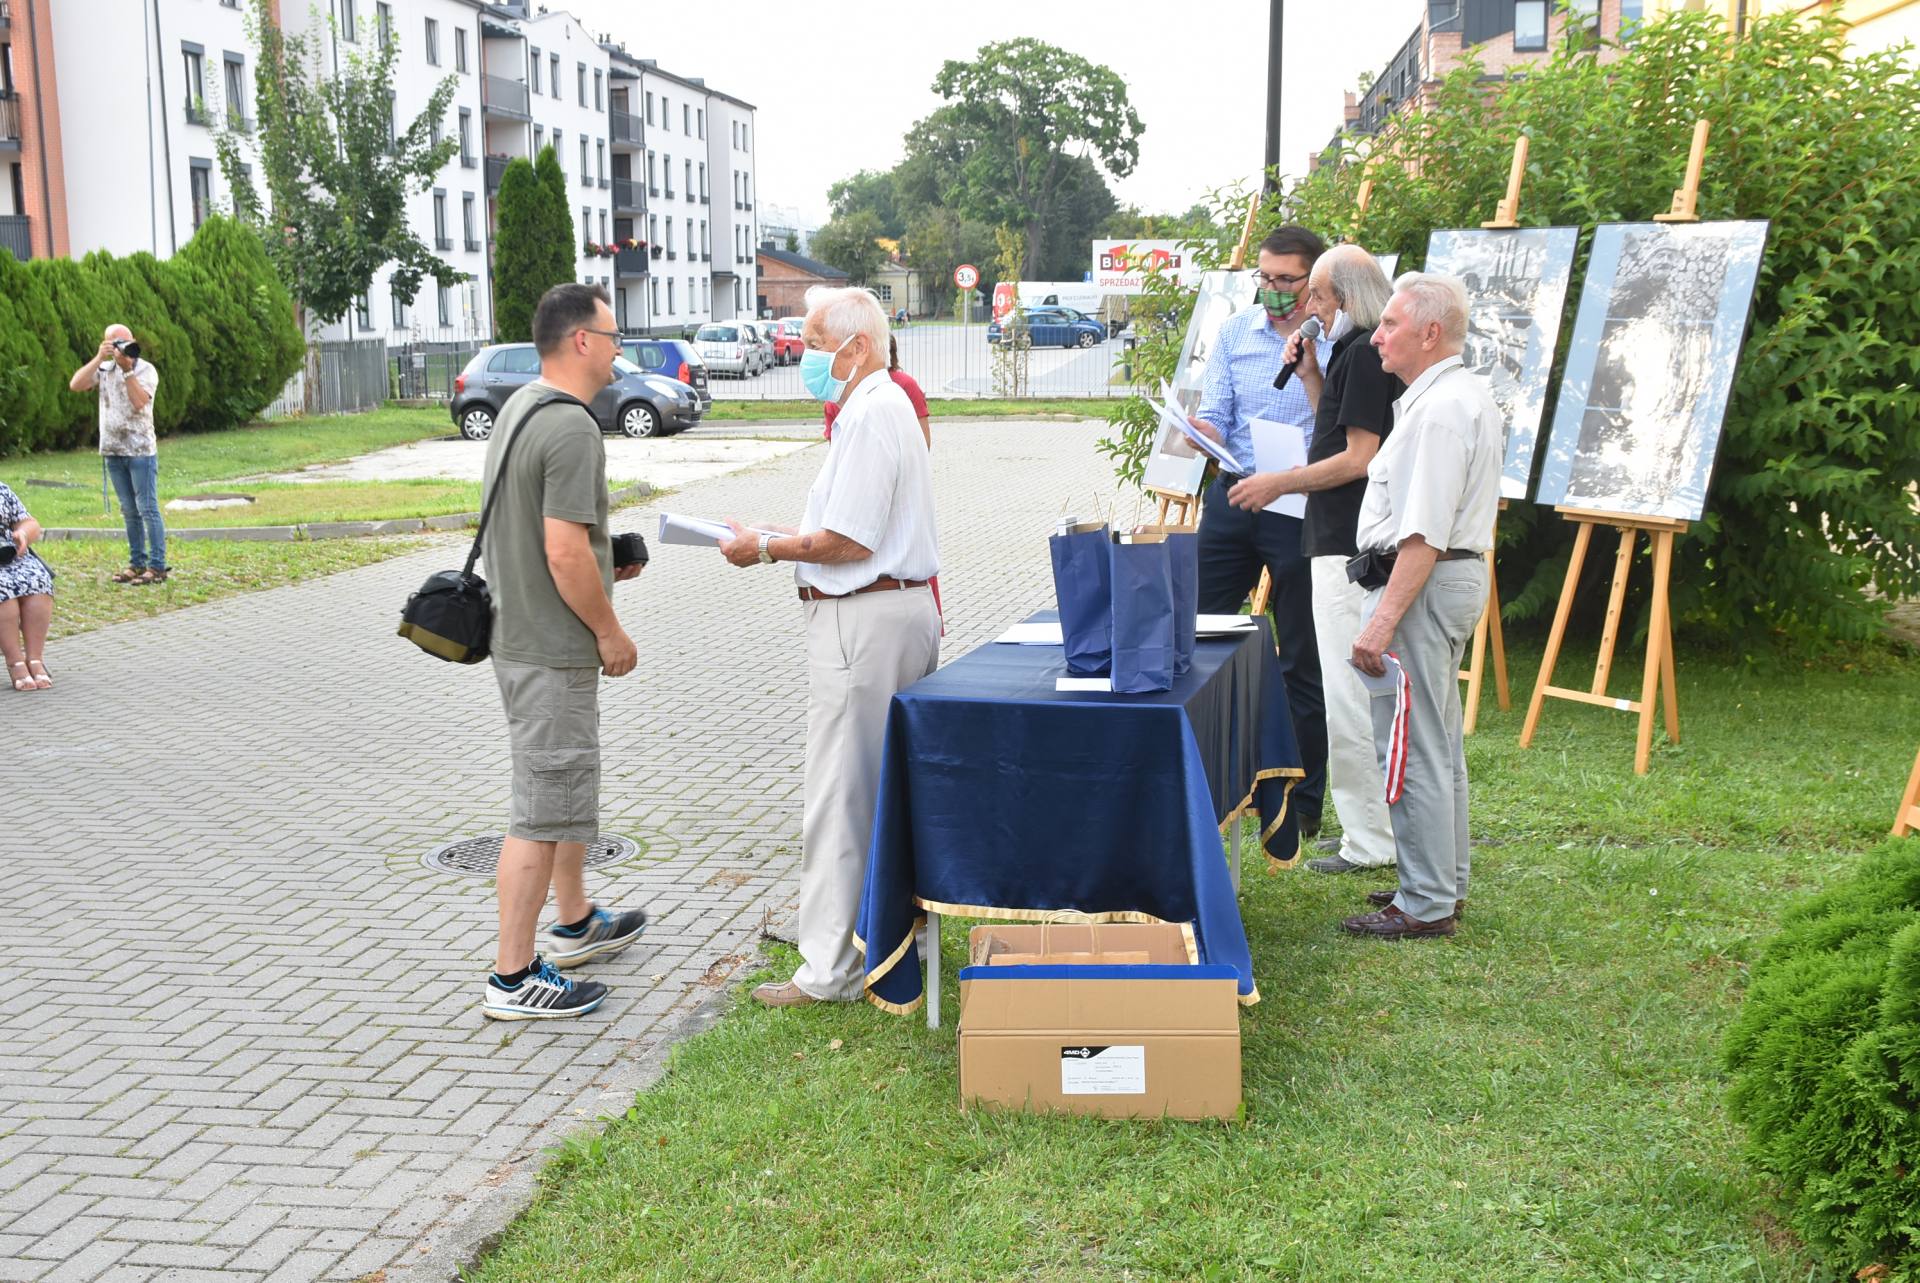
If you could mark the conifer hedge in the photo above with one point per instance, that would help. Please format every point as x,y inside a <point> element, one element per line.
<point>214,319</point>
<point>1825,1057</point>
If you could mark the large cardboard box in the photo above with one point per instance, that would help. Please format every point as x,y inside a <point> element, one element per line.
<point>1114,1021</point>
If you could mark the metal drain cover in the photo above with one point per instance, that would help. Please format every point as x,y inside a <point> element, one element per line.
<point>480,856</point>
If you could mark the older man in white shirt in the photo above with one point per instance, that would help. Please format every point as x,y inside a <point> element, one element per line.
<point>1427,516</point>
<point>863,556</point>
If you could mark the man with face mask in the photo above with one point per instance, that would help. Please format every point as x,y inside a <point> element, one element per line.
<point>863,556</point>
<point>1236,545</point>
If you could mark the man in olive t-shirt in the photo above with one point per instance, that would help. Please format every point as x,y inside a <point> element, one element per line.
<point>549,564</point>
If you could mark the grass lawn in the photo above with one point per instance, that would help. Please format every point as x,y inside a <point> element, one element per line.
<point>1536,1099</point>
<point>85,596</point>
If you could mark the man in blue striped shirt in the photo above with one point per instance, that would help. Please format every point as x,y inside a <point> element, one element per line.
<point>1236,545</point>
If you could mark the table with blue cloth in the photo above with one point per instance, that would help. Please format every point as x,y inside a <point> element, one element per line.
<point>1001,797</point>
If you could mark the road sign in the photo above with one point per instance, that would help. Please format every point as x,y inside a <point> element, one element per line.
<point>966,276</point>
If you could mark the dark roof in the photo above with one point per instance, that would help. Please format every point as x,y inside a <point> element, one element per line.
<point>809,265</point>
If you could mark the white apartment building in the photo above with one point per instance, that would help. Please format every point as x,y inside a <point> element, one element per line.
<point>732,135</point>
<point>568,77</point>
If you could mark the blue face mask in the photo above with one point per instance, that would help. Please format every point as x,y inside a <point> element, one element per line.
<point>816,371</point>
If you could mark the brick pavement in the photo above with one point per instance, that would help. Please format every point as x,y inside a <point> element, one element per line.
<point>242,1042</point>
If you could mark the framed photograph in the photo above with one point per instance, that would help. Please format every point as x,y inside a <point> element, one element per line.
<point>1222,293</point>
<point>1656,339</point>
<point>1389,264</point>
<point>1516,291</point>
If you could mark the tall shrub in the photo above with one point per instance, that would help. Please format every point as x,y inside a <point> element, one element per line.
<point>519,259</point>
<point>82,311</point>
<point>1825,1057</point>
<point>29,354</point>
<point>1811,499</point>
<point>257,344</point>
<point>163,341</point>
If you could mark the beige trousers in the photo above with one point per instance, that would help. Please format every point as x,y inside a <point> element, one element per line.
<point>1353,772</point>
<point>860,651</point>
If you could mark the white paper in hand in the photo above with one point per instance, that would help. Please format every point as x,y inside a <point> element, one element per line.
<point>1278,447</point>
<point>1169,415</point>
<point>700,532</point>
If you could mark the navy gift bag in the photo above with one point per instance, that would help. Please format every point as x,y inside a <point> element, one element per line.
<point>1082,588</point>
<point>1143,616</point>
<point>1183,559</point>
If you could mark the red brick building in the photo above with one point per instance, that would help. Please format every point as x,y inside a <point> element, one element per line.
<point>786,277</point>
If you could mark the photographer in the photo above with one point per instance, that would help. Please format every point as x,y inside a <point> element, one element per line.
<point>126,385</point>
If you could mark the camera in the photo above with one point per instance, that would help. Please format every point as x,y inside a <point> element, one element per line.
<point>8,552</point>
<point>629,550</point>
<point>127,348</point>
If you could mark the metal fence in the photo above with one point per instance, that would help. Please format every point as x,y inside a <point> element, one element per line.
<point>426,371</point>
<point>346,376</point>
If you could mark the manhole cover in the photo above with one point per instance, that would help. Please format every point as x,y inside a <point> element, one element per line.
<point>480,856</point>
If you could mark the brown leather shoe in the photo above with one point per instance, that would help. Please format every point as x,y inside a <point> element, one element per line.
<point>1391,924</point>
<point>1385,898</point>
<point>786,995</point>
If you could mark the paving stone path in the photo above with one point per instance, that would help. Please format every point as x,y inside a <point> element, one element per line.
<point>240,1039</point>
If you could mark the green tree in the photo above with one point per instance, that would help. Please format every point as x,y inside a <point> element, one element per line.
<point>163,340</point>
<point>257,344</point>
<point>1026,109</point>
<point>939,241</point>
<point>30,347</point>
<point>528,257</point>
<point>83,310</point>
<point>338,169</point>
<point>851,245</point>
<point>872,192</point>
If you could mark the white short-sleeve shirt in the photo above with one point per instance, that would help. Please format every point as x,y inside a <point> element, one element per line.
<point>875,488</point>
<point>1437,475</point>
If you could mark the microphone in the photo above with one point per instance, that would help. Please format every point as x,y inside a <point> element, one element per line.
<point>1309,330</point>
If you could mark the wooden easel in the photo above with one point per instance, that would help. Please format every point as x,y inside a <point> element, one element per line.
<point>1907,818</point>
<point>1188,504</point>
<point>1657,680</point>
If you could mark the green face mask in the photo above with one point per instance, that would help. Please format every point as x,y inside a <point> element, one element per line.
<point>1279,302</point>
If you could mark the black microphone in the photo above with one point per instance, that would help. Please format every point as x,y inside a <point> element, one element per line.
<point>1309,331</point>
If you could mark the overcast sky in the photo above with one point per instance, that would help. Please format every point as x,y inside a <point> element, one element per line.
<point>835,96</point>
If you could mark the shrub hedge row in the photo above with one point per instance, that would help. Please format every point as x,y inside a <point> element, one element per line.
<point>214,319</point>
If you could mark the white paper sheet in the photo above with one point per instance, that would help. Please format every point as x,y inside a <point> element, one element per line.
<point>1083,684</point>
<point>700,532</point>
<point>1384,685</point>
<point>1032,635</point>
<point>1172,417</point>
<point>1278,447</point>
<point>1223,624</point>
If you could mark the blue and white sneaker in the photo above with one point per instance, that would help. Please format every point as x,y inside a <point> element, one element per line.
<point>604,935</point>
<point>544,994</point>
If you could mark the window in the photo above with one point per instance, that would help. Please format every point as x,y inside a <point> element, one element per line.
<point>434,137</point>
<point>539,139</point>
<point>383,24</point>
<point>666,112</point>
<point>653,229</point>
<point>466,220</point>
<point>655,293</point>
<point>649,109</point>
<point>669,238</point>
<point>700,119</point>
<point>686,120</point>
<point>433,42</point>
<point>446,308</point>
<point>703,183</point>
<point>399,307</point>
<point>653,181</point>
<point>706,246</point>
<point>598,102</point>
<point>1529,25</point>
<point>586,179</point>
<point>234,68</point>
<point>349,24</point>
<point>1631,12</point>
<point>560,150</point>
<point>586,224</point>
<point>441,240</point>
<point>693,246</point>
<point>669,294</point>
<point>363,311</point>
<point>466,137</point>
<point>603,227</point>
<point>553,74</point>
<point>743,134</point>
<point>196,84</point>
<point>460,49</point>
<point>886,293</point>
<point>534,70</point>
<point>668,167</point>
<point>689,175</point>
<point>200,183</point>
<point>583,84</point>
<point>600,161</point>
<point>521,358</point>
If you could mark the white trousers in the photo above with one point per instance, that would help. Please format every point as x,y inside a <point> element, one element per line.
<point>860,651</point>
<point>1353,772</point>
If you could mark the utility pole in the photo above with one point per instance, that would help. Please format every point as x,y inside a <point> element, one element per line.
<point>1271,180</point>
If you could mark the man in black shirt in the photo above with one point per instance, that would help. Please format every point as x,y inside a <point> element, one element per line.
<point>1353,413</point>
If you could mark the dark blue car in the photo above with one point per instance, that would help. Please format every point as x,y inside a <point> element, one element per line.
<point>674,358</point>
<point>1056,327</point>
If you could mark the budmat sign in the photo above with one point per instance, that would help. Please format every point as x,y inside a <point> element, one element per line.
<point>1122,267</point>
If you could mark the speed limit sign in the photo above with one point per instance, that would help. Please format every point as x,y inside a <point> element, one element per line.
<point>966,276</point>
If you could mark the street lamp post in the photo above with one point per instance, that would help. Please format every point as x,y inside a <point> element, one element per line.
<point>1271,179</point>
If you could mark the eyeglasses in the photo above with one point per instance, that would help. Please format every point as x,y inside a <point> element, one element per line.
<point>1277,282</point>
<point>611,334</point>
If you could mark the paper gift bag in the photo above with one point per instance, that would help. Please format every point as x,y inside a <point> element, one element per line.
<point>1082,589</point>
<point>1183,560</point>
<point>1143,613</point>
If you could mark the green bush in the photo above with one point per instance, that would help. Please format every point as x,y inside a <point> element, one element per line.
<point>1825,1057</point>
<point>1810,502</point>
<point>214,320</point>
<point>536,244</point>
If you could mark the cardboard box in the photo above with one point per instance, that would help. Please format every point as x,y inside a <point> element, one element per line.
<point>1079,1032</point>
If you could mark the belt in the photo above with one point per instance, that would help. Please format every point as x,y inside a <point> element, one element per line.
<point>883,584</point>
<point>1457,554</point>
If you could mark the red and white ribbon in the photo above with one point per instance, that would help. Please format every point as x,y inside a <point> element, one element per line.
<point>1397,740</point>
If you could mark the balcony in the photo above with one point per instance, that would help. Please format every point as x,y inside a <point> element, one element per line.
<point>626,194</point>
<point>626,129</point>
<point>9,119</point>
<point>496,166</point>
<point>6,14</point>
<point>630,262</point>
<point>503,97</point>
<point>15,236</point>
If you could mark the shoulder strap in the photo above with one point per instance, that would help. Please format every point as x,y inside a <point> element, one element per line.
<point>506,452</point>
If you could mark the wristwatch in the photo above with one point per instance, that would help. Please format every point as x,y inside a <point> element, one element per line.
<point>766,558</point>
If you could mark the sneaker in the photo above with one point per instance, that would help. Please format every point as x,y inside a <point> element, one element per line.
<point>1335,863</point>
<point>605,934</point>
<point>545,994</point>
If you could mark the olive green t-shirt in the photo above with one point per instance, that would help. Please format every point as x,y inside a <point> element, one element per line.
<point>558,469</point>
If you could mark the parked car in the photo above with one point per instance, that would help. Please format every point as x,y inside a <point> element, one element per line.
<point>1056,327</point>
<point>729,347</point>
<point>636,404</point>
<point>673,358</point>
<point>787,344</point>
<point>763,339</point>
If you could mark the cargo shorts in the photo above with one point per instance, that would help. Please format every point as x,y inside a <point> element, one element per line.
<point>553,728</point>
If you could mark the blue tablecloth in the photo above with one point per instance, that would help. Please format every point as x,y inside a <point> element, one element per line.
<point>1000,797</point>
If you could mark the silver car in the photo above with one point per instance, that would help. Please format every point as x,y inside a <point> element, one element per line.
<point>728,347</point>
<point>763,341</point>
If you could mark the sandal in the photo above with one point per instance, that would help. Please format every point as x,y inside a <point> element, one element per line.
<point>42,680</point>
<point>23,683</point>
<point>152,576</point>
<point>130,575</point>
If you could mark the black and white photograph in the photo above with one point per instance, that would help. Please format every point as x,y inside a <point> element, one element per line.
<point>1222,293</point>
<point>1516,283</point>
<point>1656,339</point>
